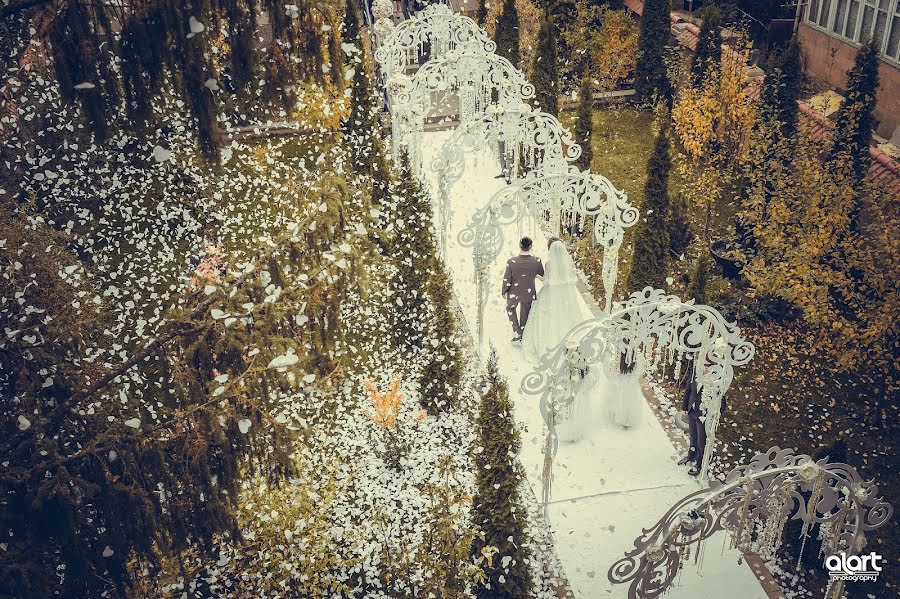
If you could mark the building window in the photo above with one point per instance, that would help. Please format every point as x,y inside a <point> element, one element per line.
<point>893,40</point>
<point>858,20</point>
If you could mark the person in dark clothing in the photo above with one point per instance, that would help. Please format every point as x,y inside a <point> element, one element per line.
<point>691,404</point>
<point>519,287</point>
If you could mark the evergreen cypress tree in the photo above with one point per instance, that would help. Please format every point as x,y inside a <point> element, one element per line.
<point>680,234</point>
<point>442,374</point>
<point>507,33</point>
<point>544,73</point>
<point>776,127</point>
<point>361,127</point>
<point>481,15</point>
<point>651,82</point>
<point>708,54</point>
<point>414,253</point>
<point>497,509</point>
<point>781,90</point>
<point>651,246</point>
<point>584,126</point>
<point>699,277</point>
<point>853,130</point>
<point>350,26</point>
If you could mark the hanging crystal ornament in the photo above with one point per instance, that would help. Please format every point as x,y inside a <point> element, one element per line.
<point>740,536</point>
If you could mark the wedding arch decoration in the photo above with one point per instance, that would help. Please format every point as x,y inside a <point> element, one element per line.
<point>574,194</point>
<point>532,141</point>
<point>436,29</point>
<point>480,79</point>
<point>754,504</point>
<point>651,329</point>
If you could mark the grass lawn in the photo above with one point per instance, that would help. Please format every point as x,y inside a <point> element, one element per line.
<point>789,395</point>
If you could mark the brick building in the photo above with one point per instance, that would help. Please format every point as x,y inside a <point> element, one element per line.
<point>832,30</point>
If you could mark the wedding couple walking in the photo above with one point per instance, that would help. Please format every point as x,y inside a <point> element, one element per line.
<point>540,322</point>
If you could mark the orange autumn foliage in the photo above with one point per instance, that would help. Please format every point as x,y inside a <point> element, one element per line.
<point>386,404</point>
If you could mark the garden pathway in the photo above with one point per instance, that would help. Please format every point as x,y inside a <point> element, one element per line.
<point>613,483</point>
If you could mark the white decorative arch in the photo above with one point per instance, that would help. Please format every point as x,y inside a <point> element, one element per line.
<point>754,503</point>
<point>533,140</point>
<point>438,28</point>
<point>583,194</point>
<point>480,79</point>
<point>651,329</point>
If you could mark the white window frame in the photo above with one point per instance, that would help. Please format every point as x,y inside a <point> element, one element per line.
<point>893,9</point>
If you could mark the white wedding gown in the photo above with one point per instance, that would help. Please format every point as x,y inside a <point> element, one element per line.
<point>558,308</point>
<point>625,398</point>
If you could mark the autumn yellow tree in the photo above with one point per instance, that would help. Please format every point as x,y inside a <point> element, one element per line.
<point>713,118</point>
<point>842,281</point>
<point>609,51</point>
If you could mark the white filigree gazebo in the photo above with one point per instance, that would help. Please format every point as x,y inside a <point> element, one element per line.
<point>479,79</point>
<point>533,141</point>
<point>435,30</point>
<point>548,198</point>
<point>652,329</point>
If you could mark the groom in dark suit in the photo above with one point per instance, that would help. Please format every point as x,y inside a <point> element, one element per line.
<point>518,285</point>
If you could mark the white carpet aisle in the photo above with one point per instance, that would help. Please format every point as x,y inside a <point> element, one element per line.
<point>613,483</point>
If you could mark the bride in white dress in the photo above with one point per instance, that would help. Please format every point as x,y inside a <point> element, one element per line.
<point>558,308</point>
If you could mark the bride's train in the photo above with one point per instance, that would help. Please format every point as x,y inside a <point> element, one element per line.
<point>608,396</point>
<point>602,400</point>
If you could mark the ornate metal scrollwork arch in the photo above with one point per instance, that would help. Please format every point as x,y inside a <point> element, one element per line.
<point>436,28</point>
<point>651,328</point>
<point>754,503</point>
<point>480,79</point>
<point>583,194</point>
<point>532,140</point>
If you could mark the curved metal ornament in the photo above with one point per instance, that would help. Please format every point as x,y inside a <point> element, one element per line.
<point>778,474</point>
<point>536,140</point>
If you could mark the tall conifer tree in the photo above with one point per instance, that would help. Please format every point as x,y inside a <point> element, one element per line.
<point>440,382</point>
<point>853,130</point>
<point>781,90</point>
<point>849,154</point>
<point>414,253</point>
<point>497,509</point>
<point>481,15</point>
<point>708,54</point>
<point>584,126</point>
<point>651,80</point>
<point>361,126</point>
<point>680,234</point>
<point>699,277</point>
<point>545,72</point>
<point>507,33</point>
<point>651,246</point>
